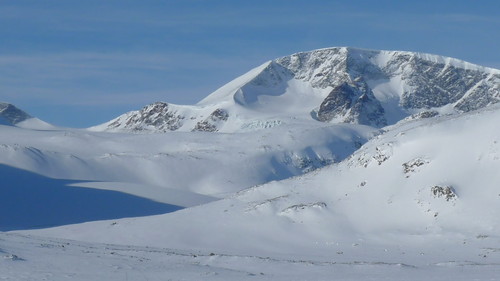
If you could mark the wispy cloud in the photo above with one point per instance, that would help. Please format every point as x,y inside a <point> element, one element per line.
<point>99,78</point>
<point>98,52</point>
<point>466,18</point>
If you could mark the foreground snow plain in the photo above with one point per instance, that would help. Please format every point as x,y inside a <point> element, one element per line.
<point>35,258</point>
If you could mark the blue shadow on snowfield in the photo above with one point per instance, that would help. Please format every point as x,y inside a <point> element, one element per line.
<point>29,200</point>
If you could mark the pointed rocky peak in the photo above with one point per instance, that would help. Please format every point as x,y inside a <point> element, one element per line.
<point>352,102</point>
<point>154,117</point>
<point>367,111</point>
<point>338,102</point>
<point>11,114</point>
<point>213,122</point>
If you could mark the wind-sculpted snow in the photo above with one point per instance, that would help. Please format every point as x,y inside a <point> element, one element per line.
<point>272,81</point>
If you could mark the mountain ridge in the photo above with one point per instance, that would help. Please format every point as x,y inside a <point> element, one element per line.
<point>11,115</point>
<point>336,85</point>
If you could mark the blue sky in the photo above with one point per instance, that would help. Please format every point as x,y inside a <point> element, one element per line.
<point>81,63</point>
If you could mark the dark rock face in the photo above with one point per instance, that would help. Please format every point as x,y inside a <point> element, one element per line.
<point>482,96</point>
<point>156,115</point>
<point>447,192</point>
<point>322,68</point>
<point>211,123</point>
<point>367,111</point>
<point>427,82</point>
<point>436,84</point>
<point>337,103</point>
<point>353,103</point>
<point>423,115</point>
<point>12,114</point>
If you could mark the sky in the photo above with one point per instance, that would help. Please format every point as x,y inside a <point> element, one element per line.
<point>81,63</point>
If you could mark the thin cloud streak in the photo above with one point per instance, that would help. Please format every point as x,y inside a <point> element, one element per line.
<point>98,18</point>
<point>78,52</point>
<point>97,78</point>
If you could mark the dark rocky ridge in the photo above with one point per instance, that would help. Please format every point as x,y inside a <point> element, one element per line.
<point>157,115</point>
<point>12,114</point>
<point>430,84</point>
<point>353,102</point>
<point>210,124</point>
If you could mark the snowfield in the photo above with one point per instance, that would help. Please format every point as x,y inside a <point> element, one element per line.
<point>34,258</point>
<point>335,164</point>
<point>414,184</point>
<point>179,169</point>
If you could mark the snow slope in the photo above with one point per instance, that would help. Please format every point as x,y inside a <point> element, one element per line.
<point>182,169</point>
<point>168,159</point>
<point>412,195</point>
<point>13,116</point>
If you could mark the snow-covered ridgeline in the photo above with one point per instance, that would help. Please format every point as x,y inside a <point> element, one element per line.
<point>346,85</point>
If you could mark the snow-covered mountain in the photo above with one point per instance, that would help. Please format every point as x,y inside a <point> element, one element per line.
<point>12,116</point>
<point>282,119</point>
<point>337,85</point>
<point>358,162</point>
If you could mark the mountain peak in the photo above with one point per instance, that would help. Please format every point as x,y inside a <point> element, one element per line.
<point>158,115</point>
<point>12,115</point>
<point>334,85</point>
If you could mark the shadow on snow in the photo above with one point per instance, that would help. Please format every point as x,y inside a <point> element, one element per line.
<point>29,200</point>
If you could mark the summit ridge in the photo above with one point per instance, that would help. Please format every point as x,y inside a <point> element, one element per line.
<point>335,85</point>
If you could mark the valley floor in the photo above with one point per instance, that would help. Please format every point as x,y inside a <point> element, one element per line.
<point>26,257</point>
